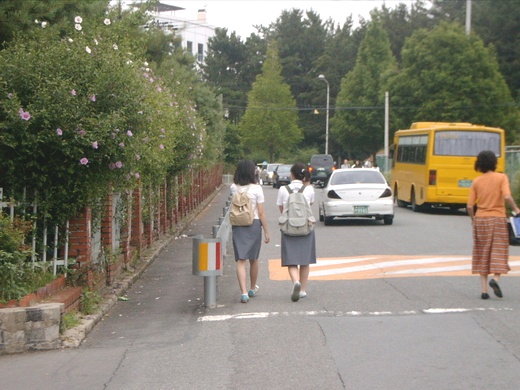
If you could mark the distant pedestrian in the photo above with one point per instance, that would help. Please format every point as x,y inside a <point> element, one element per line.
<point>490,232</point>
<point>298,252</point>
<point>345,164</point>
<point>247,240</point>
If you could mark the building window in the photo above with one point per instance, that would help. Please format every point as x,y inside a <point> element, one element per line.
<point>200,53</point>
<point>189,47</point>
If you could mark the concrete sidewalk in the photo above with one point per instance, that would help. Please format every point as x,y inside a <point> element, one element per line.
<point>201,222</point>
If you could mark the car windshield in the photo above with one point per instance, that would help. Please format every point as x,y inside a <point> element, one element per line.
<point>322,161</point>
<point>283,169</point>
<point>355,177</point>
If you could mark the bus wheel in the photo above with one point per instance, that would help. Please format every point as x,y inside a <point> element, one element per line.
<point>415,206</point>
<point>400,203</point>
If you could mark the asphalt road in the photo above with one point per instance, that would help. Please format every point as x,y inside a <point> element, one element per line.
<point>428,329</point>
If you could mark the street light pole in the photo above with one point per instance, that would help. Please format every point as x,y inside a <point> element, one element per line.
<point>322,77</point>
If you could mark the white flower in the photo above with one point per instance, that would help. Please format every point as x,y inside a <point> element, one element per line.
<point>115,46</point>
<point>107,21</point>
<point>96,41</point>
<point>44,24</point>
<point>145,63</point>
<point>87,49</point>
<point>36,21</point>
<point>77,26</point>
<point>78,19</point>
<point>70,40</point>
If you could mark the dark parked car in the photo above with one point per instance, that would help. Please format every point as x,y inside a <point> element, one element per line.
<point>282,175</point>
<point>321,167</point>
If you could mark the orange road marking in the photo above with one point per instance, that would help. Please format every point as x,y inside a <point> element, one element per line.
<point>380,266</point>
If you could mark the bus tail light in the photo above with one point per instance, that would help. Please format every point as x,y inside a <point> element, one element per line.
<point>432,181</point>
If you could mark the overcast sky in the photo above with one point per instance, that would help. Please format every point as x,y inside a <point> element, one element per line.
<point>241,15</point>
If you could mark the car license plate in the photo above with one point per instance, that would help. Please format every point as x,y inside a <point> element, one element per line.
<point>360,209</point>
<point>464,183</point>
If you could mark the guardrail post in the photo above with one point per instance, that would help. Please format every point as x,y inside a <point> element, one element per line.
<point>207,262</point>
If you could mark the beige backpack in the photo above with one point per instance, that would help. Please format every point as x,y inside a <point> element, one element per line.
<point>241,211</point>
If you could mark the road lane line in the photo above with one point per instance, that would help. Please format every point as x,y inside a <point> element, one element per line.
<point>325,313</point>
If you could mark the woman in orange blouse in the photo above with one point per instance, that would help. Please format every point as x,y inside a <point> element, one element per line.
<point>490,232</point>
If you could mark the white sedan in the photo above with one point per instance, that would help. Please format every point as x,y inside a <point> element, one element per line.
<point>357,193</point>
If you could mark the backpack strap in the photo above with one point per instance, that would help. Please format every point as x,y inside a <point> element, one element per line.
<point>302,188</point>
<point>289,189</point>
<point>239,187</point>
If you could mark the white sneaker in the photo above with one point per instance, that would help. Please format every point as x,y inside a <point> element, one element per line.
<point>303,294</point>
<point>295,296</point>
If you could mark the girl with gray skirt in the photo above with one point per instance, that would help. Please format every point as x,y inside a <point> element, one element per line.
<point>248,239</point>
<point>298,252</point>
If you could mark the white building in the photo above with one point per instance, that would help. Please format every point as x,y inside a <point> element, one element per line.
<point>195,33</point>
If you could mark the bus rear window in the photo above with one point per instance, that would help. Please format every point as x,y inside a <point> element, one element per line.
<point>465,143</point>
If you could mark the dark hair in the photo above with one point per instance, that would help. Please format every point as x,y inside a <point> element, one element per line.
<point>299,171</point>
<point>245,173</point>
<point>486,161</point>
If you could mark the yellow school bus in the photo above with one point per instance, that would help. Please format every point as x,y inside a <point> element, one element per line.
<point>433,163</point>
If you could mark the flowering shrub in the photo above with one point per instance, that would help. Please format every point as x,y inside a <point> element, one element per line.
<point>81,110</point>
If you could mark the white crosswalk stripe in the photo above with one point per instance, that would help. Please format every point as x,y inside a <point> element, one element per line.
<point>380,266</point>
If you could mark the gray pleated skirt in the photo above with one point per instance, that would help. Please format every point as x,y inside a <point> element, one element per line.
<point>247,241</point>
<point>300,250</point>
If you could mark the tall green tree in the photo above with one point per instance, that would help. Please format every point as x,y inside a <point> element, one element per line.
<point>301,39</point>
<point>449,76</point>
<point>358,123</point>
<point>224,69</point>
<point>401,22</point>
<point>270,124</point>
<point>231,67</point>
<point>338,59</point>
<point>496,22</point>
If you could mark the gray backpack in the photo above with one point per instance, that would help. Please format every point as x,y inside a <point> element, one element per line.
<point>296,218</point>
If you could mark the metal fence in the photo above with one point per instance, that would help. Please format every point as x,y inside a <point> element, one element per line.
<point>513,167</point>
<point>47,241</point>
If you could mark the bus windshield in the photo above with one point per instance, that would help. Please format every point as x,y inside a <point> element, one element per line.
<point>465,143</point>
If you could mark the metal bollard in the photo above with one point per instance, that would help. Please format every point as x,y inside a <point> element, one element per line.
<point>220,220</point>
<point>214,230</point>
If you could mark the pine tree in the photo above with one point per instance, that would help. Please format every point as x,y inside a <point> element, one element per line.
<point>270,124</point>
